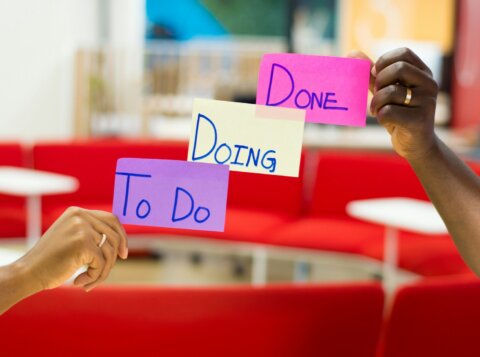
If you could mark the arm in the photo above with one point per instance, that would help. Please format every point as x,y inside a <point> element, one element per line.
<point>450,184</point>
<point>16,283</point>
<point>70,243</point>
<point>455,191</point>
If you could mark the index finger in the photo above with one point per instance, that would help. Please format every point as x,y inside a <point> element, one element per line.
<point>397,55</point>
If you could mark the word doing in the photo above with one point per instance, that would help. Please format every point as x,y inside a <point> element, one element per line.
<point>241,155</point>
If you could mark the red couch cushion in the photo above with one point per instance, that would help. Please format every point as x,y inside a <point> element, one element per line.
<point>240,224</point>
<point>427,255</point>
<point>436,318</point>
<point>344,176</point>
<point>331,320</point>
<point>344,235</point>
<point>12,209</point>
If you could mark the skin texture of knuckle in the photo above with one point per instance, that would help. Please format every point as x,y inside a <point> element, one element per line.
<point>392,91</point>
<point>103,275</point>
<point>385,112</point>
<point>77,223</point>
<point>115,241</point>
<point>400,67</point>
<point>74,210</point>
<point>80,242</point>
<point>406,52</point>
<point>382,120</point>
<point>116,220</point>
<point>435,87</point>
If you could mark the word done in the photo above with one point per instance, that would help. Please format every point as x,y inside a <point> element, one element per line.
<point>303,98</point>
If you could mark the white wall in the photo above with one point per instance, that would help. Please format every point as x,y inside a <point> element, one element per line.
<point>38,39</point>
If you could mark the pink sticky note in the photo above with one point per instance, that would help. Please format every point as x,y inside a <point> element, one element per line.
<point>171,193</point>
<point>332,90</point>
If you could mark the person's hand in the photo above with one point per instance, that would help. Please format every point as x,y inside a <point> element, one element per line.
<point>409,124</point>
<point>72,242</point>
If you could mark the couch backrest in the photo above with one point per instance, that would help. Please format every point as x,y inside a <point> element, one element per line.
<point>232,321</point>
<point>93,163</point>
<point>12,209</point>
<point>344,176</point>
<point>437,318</point>
<point>274,193</point>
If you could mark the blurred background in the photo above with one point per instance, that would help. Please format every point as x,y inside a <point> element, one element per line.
<point>83,71</point>
<point>131,68</point>
<point>353,241</point>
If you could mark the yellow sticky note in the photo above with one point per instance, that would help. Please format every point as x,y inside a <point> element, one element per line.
<point>247,137</point>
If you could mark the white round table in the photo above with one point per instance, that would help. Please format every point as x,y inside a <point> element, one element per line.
<point>397,213</point>
<point>32,184</point>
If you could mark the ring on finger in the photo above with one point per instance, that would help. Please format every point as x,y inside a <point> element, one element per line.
<point>103,240</point>
<point>408,97</point>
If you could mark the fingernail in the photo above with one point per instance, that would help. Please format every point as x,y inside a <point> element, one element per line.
<point>374,71</point>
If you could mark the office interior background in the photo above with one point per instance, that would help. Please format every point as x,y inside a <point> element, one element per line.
<point>302,268</point>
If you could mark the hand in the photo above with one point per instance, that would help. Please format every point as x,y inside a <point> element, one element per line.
<point>410,126</point>
<point>72,242</point>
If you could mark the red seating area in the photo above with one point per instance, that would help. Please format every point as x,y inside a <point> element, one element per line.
<point>256,203</point>
<point>434,318</point>
<point>12,209</point>
<point>437,317</point>
<point>261,209</point>
<point>278,321</point>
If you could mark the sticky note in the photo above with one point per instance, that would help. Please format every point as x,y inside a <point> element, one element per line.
<point>333,90</point>
<point>247,137</point>
<point>171,193</point>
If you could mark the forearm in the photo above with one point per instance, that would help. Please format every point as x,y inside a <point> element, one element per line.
<point>15,285</point>
<point>455,191</point>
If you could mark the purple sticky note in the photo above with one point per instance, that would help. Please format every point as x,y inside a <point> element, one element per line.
<point>171,193</point>
<point>333,90</point>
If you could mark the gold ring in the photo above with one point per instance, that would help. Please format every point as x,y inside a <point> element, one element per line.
<point>102,242</point>
<point>408,97</point>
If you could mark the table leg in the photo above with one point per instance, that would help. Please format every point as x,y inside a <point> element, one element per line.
<point>259,268</point>
<point>34,220</point>
<point>390,258</point>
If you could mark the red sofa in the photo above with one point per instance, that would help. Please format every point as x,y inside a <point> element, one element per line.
<point>261,208</point>
<point>327,320</point>
<point>344,176</point>
<point>438,317</point>
<point>256,203</point>
<point>12,209</point>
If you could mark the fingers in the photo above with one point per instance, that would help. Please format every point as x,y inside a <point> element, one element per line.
<point>395,72</point>
<point>95,269</point>
<point>100,259</point>
<point>102,262</point>
<point>391,114</point>
<point>110,257</point>
<point>115,239</point>
<point>395,94</point>
<point>113,222</point>
<point>406,74</point>
<point>397,55</point>
<point>361,55</point>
